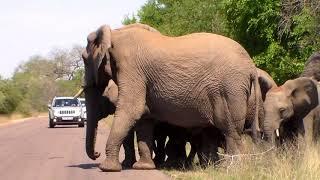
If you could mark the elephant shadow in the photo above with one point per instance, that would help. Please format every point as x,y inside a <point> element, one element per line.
<point>64,127</point>
<point>85,166</point>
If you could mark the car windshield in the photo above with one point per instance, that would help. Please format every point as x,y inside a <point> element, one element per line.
<point>66,103</point>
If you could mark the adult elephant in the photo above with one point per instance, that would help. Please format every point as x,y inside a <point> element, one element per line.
<point>197,80</point>
<point>287,106</point>
<point>101,95</point>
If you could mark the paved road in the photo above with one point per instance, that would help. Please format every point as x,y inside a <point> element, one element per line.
<point>31,151</point>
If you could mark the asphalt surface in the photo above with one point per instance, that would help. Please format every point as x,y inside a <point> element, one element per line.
<point>31,150</point>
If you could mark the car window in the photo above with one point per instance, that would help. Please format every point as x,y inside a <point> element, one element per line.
<point>66,103</point>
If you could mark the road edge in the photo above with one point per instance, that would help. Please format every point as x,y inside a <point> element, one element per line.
<point>15,121</point>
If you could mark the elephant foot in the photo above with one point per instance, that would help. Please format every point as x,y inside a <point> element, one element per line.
<point>144,165</point>
<point>128,163</point>
<point>110,166</point>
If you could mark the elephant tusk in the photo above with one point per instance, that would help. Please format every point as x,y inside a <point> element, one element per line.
<point>78,93</point>
<point>277,132</point>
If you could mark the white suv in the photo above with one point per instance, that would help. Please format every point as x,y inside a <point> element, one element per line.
<point>84,109</point>
<point>65,110</point>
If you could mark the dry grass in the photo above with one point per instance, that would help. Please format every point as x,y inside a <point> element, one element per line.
<point>286,164</point>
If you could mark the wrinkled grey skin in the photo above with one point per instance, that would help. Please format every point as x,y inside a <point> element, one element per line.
<point>207,82</point>
<point>287,105</point>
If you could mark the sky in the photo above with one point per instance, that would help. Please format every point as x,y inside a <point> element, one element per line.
<point>34,27</point>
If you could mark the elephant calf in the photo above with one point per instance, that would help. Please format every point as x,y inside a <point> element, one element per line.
<point>287,106</point>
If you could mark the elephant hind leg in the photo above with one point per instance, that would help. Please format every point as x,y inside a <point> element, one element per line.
<point>129,150</point>
<point>144,130</point>
<point>235,109</point>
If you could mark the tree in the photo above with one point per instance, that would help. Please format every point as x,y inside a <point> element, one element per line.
<point>36,81</point>
<point>180,17</point>
<point>9,96</point>
<point>67,62</point>
<point>129,20</point>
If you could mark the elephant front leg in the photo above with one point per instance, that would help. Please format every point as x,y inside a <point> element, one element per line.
<point>129,110</point>
<point>144,130</point>
<point>121,125</point>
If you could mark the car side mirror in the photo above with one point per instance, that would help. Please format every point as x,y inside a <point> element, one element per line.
<point>83,105</point>
<point>49,106</point>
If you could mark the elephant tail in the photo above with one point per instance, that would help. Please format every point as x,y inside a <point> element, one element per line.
<point>257,94</point>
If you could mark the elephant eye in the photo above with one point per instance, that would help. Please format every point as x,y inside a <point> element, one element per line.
<point>282,112</point>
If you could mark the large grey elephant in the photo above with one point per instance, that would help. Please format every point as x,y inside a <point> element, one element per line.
<point>197,80</point>
<point>101,99</point>
<point>101,95</point>
<point>287,106</point>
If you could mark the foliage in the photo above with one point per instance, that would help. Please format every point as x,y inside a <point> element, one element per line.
<point>180,17</point>
<point>9,96</point>
<point>129,20</point>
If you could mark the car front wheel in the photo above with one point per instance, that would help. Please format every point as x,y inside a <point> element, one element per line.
<point>51,123</point>
<point>81,124</point>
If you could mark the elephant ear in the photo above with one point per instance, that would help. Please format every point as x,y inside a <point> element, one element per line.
<point>304,95</point>
<point>266,82</point>
<point>97,49</point>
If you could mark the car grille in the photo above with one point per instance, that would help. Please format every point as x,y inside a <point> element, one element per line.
<point>67,112</point>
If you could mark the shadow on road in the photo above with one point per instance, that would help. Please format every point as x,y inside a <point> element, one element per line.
<point>85,166</point>
<point>61,127</point>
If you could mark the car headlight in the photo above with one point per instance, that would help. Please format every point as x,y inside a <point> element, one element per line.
<point>55,113</point>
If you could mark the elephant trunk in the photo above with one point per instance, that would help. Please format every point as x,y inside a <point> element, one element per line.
<point>98,107</point>
<point>271,130</point>
<point>268,132</point>
<point>93,116</point>
<point>91,134</point>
